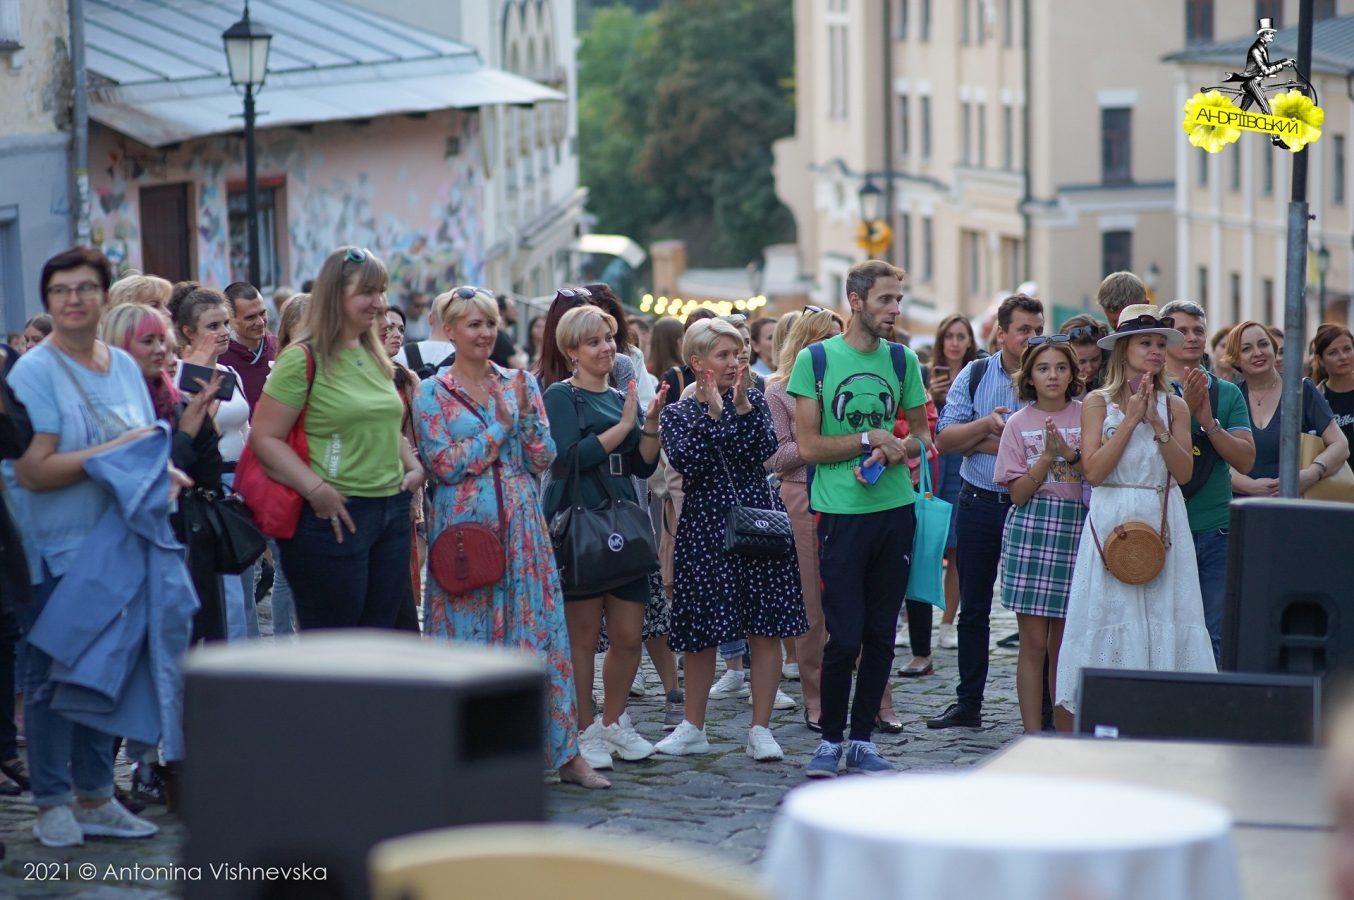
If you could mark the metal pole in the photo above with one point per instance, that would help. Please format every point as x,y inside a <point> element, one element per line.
<point>80,123</point>
<point>1321,300</point>
<point>890,215</point>
<point>251,187</point>
<point>1295,313</point>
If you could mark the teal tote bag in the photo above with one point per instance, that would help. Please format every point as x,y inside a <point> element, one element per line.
<point>926,580</point>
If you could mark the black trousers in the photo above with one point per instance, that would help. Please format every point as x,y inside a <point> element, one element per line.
<point>864,562</point>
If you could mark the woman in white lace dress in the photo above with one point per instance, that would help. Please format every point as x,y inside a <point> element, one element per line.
<point>1143,455</point>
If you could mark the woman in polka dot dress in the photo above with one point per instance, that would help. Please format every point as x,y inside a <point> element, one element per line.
<point>718,440</point>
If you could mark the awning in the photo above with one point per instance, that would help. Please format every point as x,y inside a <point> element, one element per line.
<point>178,112</point>
<point>611,245</point>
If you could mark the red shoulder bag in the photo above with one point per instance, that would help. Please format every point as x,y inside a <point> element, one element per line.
<point>276,506</point>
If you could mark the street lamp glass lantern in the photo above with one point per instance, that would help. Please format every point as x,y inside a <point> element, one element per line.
<point>1322,261</point>
<point>871,198</point>
<point>247,52</point>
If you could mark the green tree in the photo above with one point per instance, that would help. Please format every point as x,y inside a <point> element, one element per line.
<point>678,110</point>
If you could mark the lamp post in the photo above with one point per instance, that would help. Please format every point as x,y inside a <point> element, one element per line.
<point>1322,269</point>
<point>247,58</point>
<point>1153,281</point>
<point>873,234</point>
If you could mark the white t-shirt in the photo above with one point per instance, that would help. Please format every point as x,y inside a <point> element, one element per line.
<point>432,352</point>
<point>232,420</point>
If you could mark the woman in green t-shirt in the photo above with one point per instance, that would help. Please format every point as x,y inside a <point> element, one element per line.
<point>348,561</point>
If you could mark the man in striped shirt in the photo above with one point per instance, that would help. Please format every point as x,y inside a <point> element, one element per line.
<point>971,424</point>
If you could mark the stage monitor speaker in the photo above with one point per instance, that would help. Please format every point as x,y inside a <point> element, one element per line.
<point>302,756</point>
<point>1290,588</point>
<point>1226,706</point>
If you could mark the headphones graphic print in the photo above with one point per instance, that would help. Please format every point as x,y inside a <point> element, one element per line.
<point>858,401</point>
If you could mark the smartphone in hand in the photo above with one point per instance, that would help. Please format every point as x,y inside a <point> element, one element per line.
<point>871,472</point>
<point>189,374</point>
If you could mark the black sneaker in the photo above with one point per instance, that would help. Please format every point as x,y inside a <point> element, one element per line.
<point>956,716</point>
<point>147,785</point>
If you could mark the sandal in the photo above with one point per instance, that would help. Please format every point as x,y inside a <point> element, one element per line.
<point>17,770</point>
<point>813,726</point>
<point>590,781</point>
<point>917,671</point>
<point>888,727</point>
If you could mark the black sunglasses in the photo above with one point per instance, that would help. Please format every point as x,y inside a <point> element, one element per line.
<point>810,308</point>
<point>1087,332</point>
<point>468,292</point>
<point>574,292</point>
<point>1146,320</point>
<point>1041,339</point>
<point>356,255</point>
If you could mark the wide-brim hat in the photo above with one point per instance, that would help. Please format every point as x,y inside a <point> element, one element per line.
<point>1142,318</point>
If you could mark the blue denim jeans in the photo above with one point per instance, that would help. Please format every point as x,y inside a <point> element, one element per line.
<point>360,583</point>
<point>733,649</point>
<point>237,592</point>
<point>284,608</point>
<point>60,752</point>
<point>978,531</point>
<point>1210,549</point>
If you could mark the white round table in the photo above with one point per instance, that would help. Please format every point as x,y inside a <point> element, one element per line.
<point>980,836</point>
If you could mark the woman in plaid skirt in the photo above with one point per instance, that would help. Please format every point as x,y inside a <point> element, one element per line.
<point>1039,461</point>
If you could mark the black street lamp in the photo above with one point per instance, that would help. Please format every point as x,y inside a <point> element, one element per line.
<point>870,197</point>
<point>247,58</point>
<point>1322,269</point>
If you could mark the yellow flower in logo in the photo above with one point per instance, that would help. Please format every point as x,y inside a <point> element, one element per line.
<point>1297,105</point>
<point>1202,133</point>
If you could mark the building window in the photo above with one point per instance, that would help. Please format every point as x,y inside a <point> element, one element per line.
<point>973,262</point>
<point>966,138</point>
<point>1234,291</point>
<point>837,71</point>
<point>981,112</point>
<point>1267,296</point>
<point>1008,137</point>
<point>900,19</point>
<point>925,20</point>
<point>925,127</point>
<point>980,21</point>
<point>1337,181</point>
<point>1266,171</point>
<point>928,248</point>
<point>1323,9</point>
<point>270,269</point>
<point>1234,169</point>
<point>904,126</point>
<point>966,23</point>
<point>905,240</point>
<point>1271,8</point>
<point>1116,145</point>
<point>1116,252</point>
<point>1201,294</point>
<point>1198,21</point>
<point>11,29</point>
<point>1201,174</point>
<point>1008,24</point>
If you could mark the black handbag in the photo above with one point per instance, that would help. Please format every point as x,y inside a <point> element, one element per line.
<point>235,541</point>
<point>600,549</point>
<point>749,531</point>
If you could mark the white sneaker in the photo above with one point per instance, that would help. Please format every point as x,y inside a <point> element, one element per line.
<point>900,638</point>
<point>790,671</point>
<point>782,701</point>
<point>949,637</point>
<point>762,746</point>
<point>638,687</point>
<point>733,683</point>
<point>56,827</point>
<point>621,739</point>
<point>685,740</point>
<point>593,748</point>
<point>111,819</point>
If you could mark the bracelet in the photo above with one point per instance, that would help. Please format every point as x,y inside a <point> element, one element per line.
<point>1035,480</point>
<point>1076,459</point>
<point>1324,470</point>
<point>652,434</point>
<point>315,488</point>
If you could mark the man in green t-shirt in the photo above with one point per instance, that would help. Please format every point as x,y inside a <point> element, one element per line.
<point>844,426</point>
<point>1222,442</point>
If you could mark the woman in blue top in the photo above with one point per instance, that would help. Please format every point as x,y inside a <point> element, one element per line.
<point>83,398</point>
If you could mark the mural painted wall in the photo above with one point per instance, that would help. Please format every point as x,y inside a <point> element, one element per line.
<point>410,189</point>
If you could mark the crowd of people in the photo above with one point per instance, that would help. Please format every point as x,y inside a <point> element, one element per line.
<point>709,491</point>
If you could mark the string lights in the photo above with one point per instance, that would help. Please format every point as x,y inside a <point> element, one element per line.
<point>680,309</point>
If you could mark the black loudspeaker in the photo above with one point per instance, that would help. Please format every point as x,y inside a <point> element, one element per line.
<point>1227,706</point>
<point>303,755</point>
<point>1290,588</point>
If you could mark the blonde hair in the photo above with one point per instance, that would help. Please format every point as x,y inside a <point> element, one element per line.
<point>580,323</point>
<point>324,318</point>
<point>149,289</point>
<point>291,326</point>
<point>702,337</point>
<point>127,321</point>
<point>454,306</point>
<point>1116,370</point>
<point>809,328</point>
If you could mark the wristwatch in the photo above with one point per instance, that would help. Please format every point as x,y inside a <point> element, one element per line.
<point>1213,429</point>
<point>1164,437</point>
<point>865,441</point>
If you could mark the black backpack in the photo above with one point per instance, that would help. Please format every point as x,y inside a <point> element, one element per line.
<point>1205,457</point>
<point>424,370</point>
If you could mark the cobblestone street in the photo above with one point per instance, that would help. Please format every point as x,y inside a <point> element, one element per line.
<point>719,805</point>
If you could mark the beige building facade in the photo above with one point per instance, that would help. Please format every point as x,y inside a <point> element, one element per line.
<point>1232,206</point>
<point>1023,140</point>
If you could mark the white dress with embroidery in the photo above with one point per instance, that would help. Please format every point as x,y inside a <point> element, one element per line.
<point>1112,625</point>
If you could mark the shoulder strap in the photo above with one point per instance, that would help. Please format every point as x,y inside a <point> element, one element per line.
<point>498,463</point>
<point>414,356</point>
<point>818,356</point>
<point>975,377</point>
<point>898,353</point>
<point>676,373</point>
<point>108,416</point>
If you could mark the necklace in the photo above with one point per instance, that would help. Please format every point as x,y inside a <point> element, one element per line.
<point>1261,395</point>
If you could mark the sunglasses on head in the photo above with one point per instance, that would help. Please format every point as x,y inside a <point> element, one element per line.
<point>574,292</point>
<point>1087,332</point>
<point>468,292</point>
<point>357,255</point>
<point>810,308</point>
<point>1040,339</point>
<point>735,319</point>
<point>1146,320</point>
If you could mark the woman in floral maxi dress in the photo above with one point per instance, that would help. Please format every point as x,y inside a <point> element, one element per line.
<point>471,417</point>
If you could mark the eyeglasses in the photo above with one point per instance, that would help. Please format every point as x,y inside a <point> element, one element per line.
<point>1087,332</point>
<point>86,290</point>
<point>810,308</point>
<point>357,255</point>
<point>574,292</point>
<point>1041,339</point>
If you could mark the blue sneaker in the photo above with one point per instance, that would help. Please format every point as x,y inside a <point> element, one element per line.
<point>863,756</point>
<point>825,760</point>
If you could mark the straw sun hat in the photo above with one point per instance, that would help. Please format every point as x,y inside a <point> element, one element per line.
<point>1142,318</point>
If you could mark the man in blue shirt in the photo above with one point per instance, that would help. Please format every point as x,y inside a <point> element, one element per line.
<point>974,417</point>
